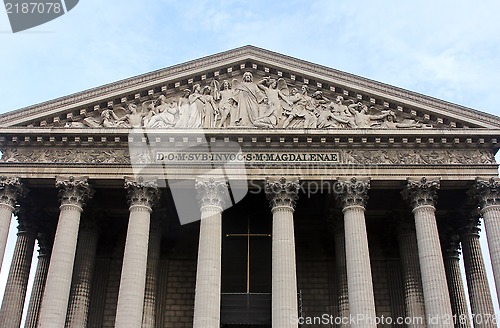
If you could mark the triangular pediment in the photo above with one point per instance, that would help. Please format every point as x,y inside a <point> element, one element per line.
<point>331,99</point>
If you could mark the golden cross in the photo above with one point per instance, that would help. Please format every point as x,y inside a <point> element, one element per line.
<point>248,235</point>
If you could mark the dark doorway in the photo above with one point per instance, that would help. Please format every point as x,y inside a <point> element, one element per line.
<point>246,264</point>
<point>246,247</point>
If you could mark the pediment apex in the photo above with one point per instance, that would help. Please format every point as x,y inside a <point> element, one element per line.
<point>404,105</point>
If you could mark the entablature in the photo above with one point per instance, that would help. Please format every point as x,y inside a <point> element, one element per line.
<point>301,138</point>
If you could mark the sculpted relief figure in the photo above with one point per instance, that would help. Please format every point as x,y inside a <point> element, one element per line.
<point>248,98</point>
<point>361,117</point>
<point>226,104</point>
<point>184,109</point>
<point>276,102</point>
<point>303,107</point>
<point>391,122</point>
<point>270,103</point>
<point>210,109</point>
<point>166,114</point>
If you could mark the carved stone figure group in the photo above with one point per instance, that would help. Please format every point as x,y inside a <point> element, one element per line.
<point>268,104</point>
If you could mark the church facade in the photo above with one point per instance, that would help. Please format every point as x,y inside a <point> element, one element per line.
<point>249,189</point>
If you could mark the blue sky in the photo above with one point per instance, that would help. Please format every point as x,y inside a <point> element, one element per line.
<point>445,49</point>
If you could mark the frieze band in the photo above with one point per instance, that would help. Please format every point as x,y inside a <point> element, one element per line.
<point>91,156</point>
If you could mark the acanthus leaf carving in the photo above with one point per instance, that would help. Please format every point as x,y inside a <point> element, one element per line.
<point>352,192</point>
<point>421,192</point>
<point>73,191</point>
<point>11,190</point>
<point>211,193</point>
<point>282,193</point>
<point>486,192</point>
<point>141,192</point>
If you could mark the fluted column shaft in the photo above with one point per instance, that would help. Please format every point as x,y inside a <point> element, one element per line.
<point>455,285</point>
<point>142,195</point>
<point>42,269</point>
<point>212,196</point>
<point>17,281</point>
<point>421,195</point>
<point>282,195</point>
<point>477,281</point>
<point>82,279</point>
<point>487,195</point>
<point>352,196</point>
<point>341,272</point>
<point>414,295</point>
<point>10,190</point>
<point>149,313</point>
<point>58,285</point>
<point>359,276</point>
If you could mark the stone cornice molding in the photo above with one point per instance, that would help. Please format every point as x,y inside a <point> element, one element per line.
<point>74,191</point>
<point>11,190</point>
<point>282,193</point>
<point>486,192</point>
<point>349,81</point>
<point>212,193</point>
<point>142,193</point>
<point>421,192</point>
<point>352,193</point>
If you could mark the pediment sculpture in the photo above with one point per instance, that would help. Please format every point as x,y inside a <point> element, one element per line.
<point>242,103</point>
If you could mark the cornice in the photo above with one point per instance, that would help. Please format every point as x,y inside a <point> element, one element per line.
<point>322,73</point>
<point>250,138</point>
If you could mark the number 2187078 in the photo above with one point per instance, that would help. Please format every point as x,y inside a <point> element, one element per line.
<point>33,8</point>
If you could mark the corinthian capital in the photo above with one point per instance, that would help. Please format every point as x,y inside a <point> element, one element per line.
<point>421,192</point>
<point>74,191</point>
<point>451,245</point>
<point>11,190</point>
<point>282,192</point>
<point>211,192</point>
<point>142,193</point>
<point>352,192</point>
<point>486,192</point>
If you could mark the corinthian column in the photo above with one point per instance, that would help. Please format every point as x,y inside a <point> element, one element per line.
<point>451,254</point>
<point>10,190</point>
<point>488,197</point>
<point>352,196</point>
<point>212,197</point>
<point>282,195</point>
<point>408,251</point>
<point>337,225</point>
<point>84,270</point>
<point>42,268</point>
<point>17,281</point>
<point>73,194</point>
<point>421,196</point>
<point>475,271</point>
<point>149,313</point>
<point>142,195</point>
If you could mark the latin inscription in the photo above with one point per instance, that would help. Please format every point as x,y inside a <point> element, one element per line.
<point>253,157</point>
